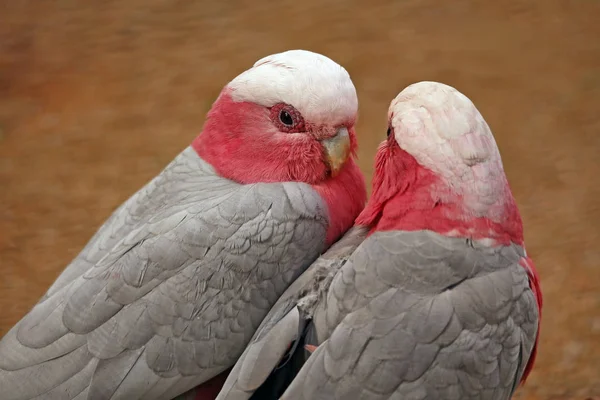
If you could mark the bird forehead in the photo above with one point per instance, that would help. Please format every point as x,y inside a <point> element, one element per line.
<point>441,112</point>
<point>315,85</point>
<point>441,127</point>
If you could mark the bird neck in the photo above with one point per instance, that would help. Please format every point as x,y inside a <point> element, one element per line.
<point>407,196</point>
<point>345,196</point>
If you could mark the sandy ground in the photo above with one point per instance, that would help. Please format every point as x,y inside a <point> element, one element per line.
<point>95,100</point>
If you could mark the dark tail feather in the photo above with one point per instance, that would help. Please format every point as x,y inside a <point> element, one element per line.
<point>286,371</point>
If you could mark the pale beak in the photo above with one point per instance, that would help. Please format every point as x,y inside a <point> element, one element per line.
<point>337,150</point>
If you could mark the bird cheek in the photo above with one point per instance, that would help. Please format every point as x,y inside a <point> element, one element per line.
<point>385,146</point>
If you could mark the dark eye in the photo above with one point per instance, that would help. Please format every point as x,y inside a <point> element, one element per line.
<point>389,132</point>
<point>286,118</point>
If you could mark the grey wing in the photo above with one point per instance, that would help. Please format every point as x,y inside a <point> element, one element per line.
<point>173,303</point>
<point>431,318</point>
<point>287,320</point>
<point>127,216</point>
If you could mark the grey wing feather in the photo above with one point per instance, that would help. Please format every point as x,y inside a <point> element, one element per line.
<point>287,319</point>
<point>447,319</point>
<point>129,214</point>
<point>176,295</point>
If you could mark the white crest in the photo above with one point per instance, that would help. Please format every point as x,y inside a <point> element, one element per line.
<point>315,85</point>
<point>446,134</point>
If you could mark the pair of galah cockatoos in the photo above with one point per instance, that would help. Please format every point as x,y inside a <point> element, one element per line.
<point>224,260</point>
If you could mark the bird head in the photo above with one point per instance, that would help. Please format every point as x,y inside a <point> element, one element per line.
<point>290,117</point>
<point>440,169</point>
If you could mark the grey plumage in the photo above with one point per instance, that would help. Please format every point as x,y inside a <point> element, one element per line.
<point>288,319</point>
<point>169,290</point>
<point>417,315</point>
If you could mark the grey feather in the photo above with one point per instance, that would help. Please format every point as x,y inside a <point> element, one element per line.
<point>286,319</point>
<point>416,315</point>
<point>168,292</point>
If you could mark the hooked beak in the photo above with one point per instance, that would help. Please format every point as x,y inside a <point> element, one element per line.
<point>337,150</point>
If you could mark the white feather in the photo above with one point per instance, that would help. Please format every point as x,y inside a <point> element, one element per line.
<point>443,130</point>
<point>315,85</point>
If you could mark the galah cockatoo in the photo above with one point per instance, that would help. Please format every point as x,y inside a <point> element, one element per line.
<point>430,295</point>
<point>170,290</point>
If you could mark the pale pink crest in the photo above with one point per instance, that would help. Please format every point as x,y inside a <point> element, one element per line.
<point>443,130</point>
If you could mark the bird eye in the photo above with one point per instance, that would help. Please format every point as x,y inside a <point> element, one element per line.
<point>286,118</point>
<point>389,131</point>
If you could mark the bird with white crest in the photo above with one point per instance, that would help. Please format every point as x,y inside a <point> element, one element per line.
<point>171,288</point>
<point>430,295</point>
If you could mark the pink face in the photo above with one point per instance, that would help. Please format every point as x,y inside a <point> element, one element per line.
<point>247,142</point>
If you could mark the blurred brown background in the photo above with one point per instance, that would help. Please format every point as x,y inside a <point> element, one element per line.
<point>96,98</point>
